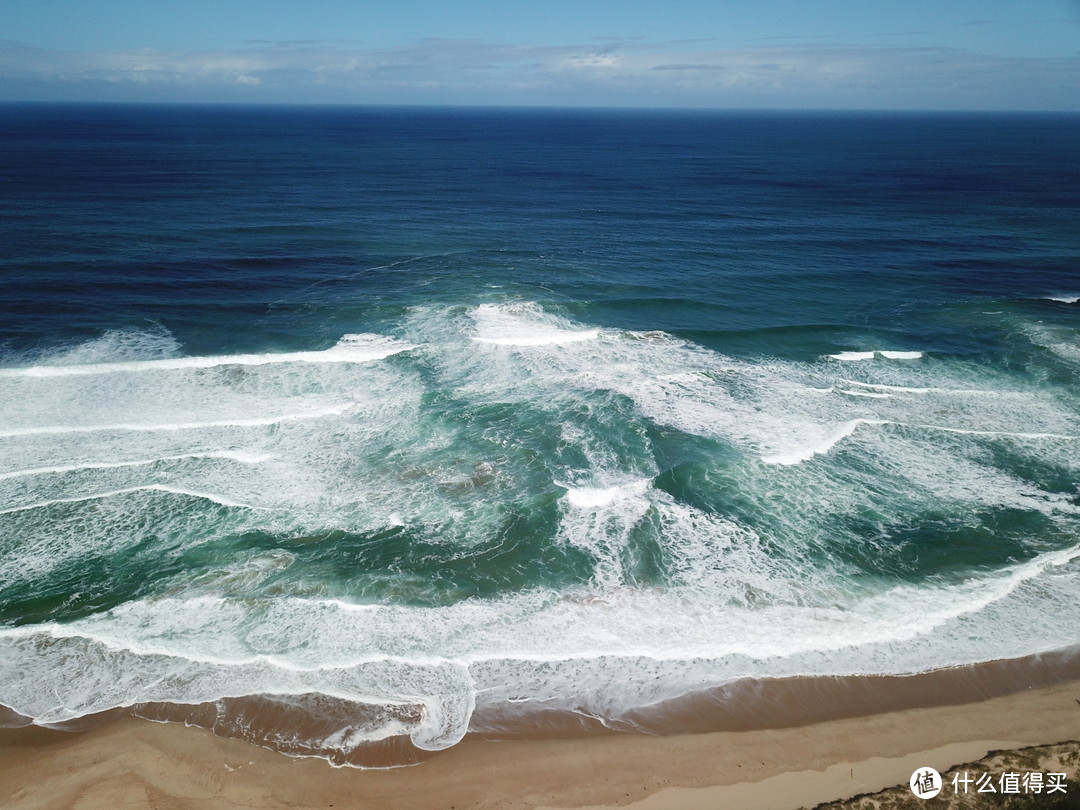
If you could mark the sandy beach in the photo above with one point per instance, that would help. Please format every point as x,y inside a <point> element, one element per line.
<point>133,763</point>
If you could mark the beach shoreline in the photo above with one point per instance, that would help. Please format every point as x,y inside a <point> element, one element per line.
<point>134,763</point>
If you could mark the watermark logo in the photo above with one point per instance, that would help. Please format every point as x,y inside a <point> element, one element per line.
<point>925,783</point>
<point>1011,782</point>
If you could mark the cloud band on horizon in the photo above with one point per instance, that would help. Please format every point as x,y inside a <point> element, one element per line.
<point>609,73</point>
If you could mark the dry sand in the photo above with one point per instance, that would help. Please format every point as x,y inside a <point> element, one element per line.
<point>963,790</point>
<point>137,764</point>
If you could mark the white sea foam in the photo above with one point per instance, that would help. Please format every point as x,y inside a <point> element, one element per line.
<point>854,356</point>
<point>820,445</point>
<point>868,394</point>
<point>523,325</point>
<point>890,355</point>
<point>594,497</point>
<point>350,349</point>
<point>600,520</point>
<point>256,421</point>
<point>1064,299</point>
<point>206,496</point>
<point>1012,434</point>
<point>904,389</point>
<point>1061,341</point>
<point>231,455</point>
<point>849,357</point>
<point>452,443</point>
<point>546,338</point>
<point>603,656</point>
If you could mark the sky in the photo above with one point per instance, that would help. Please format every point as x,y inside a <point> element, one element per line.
<point>783,54</point>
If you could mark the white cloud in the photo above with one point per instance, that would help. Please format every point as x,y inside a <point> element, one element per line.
<point>595,63</point>
<point>613,72</point>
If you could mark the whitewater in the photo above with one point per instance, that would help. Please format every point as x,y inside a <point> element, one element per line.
<point>497,510</point>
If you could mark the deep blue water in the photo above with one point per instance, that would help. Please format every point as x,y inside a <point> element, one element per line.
<point>479,410</point>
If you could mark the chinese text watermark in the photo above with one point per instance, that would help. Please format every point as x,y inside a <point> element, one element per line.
<point>926,783</point>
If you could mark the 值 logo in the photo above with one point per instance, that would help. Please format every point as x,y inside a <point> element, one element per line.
<point>925,783</point>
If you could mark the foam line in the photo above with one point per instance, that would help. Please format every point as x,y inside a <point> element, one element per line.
<point>1064,299</point>
<point>72,632</point>
<point>909,390</point>
<point>596,497</point>
<point>546,338</point>
<point>888,354</point>
<point>1007,433</point>
<point>524,325</point>
<point>256,422</point>
<point>948,602</point>
<point>123,643</point>
<point>845,430</point>
<point>850,357</point>
<point>824,446</point>
<point>871,394</point>
<point>243,458</point>
<point>898,388</point>
<point>997,587</point>
<point>148,488</point>
<point>350,349</point>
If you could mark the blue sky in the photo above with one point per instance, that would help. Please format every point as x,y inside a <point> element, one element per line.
<point>868,54</point>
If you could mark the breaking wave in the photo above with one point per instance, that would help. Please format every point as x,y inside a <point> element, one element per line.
<point>497,510</point>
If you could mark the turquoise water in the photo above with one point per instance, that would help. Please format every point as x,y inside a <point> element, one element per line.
<point>461,416</point>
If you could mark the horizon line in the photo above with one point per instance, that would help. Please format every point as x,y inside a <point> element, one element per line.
<point>344,105</point>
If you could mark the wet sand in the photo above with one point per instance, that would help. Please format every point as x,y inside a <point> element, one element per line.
<point>134,763</point>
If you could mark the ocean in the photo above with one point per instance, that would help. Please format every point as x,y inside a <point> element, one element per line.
<point>328,427</point>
